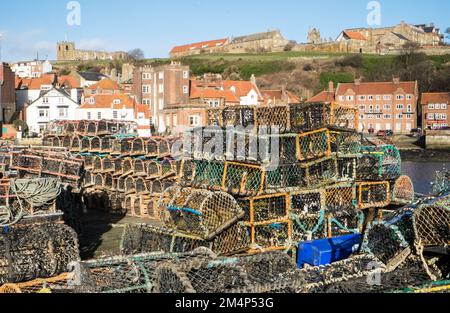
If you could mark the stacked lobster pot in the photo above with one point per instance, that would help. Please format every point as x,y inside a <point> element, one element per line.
<point>123,173</point>
<point>293,170</point>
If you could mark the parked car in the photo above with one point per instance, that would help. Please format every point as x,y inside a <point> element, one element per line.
<point>385,133</point>
<point>416,132</point>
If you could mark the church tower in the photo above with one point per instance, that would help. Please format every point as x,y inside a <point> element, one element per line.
<point>65,51</point>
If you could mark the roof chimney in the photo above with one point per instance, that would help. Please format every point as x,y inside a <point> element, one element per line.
<point>330,86</point>
<point>253,79</point>
<point>396,80</point>
<point>358,81</point>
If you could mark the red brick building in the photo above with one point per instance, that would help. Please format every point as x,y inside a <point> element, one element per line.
<point>7,94</point>
<point>435,110</point>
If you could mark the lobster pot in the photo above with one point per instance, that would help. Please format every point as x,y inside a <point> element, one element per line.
<point>314,145</point>
<point>187,172</point>
<point>402,190</point>
<point>130,274</point>
<point>241,179</point>
<point>207,143</point>
<point>168,168</point>
<point>310,202</point>
<point>75,145</point>
<point>88,179</point>
<point>102,128</point>
<point>117,165</point>
<point>157,187</point>
<point>203,213</point>
<point>432,225</point>
<point>116,147</point>
<point>345,142</point>
<point>113,127</point>
<point>204,174</point>
<point>138,147</point>
<point>139,208</point>
<point>94,145</point>
<point>172,197</point>
<point>99,182</point>
<point>130,185</point>
<point>215,117</point>
<point>154,170</point>
<point>347,167</point>
<point>379,163</point>
<point>138,167</point>
<point>233,240</point>
<point>269,236</point>
<point>108,182</point>
<point>152,148</point>
<point>344,118</point>
<point>126,146</point>
<point>97,165</point>
<point>238,116</point>
<point>129,204</point>
<point>85,144</point>
<point>340,199</point>
<point>105,144</point>
<point>138,238</point>
<point>309,117</point>
<point>89,162</point>
<point>141,186</point>
<point>66,142</point>
<point>151,208</point>
<point>442,182</point>
<point>273,116</point>
<point>164,148</point>
<point>82,128</point>
<point>56,142</point>
<point>36,251</point>
<point>58,284</point>
<point>265,208</point>
<point>121,184</point>
<point>308,226</point>
<point>373,195</point>
<point>92,128</point>
<point>127,166</point>
<point>47,141</point>
<point>107,165</point>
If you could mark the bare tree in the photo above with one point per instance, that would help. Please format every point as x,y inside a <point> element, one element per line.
<point>136,54</point>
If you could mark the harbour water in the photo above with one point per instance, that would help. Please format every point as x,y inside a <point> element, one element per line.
<point>423,174</point>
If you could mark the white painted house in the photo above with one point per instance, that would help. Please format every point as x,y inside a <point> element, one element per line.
<point>53,104</point>
<point>246,91</point>
<point>32,69</point>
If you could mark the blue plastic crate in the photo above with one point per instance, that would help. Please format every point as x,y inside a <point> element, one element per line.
<point>327,251</point>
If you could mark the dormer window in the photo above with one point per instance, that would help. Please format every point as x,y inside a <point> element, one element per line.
<point>91,100</point>
<point>116,101</point>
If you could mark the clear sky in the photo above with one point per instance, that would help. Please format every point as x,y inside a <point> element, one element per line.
<point>31,26</point>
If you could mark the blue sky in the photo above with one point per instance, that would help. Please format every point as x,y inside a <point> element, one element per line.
<point>157,25</point>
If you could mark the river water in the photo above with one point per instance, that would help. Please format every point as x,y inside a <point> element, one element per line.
<point>423,174</point>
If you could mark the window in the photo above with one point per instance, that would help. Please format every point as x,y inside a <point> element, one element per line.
<point>175,120</point>
<point>361,116</point>
<point>430,116</point>
<point>408,97</point>
<point>89,115</point>
<point>146,88</point>
<point>444,106</point>
<point>387,106</point>
<point>370,108</point>
<point>399,106</point>
<point>161,88</point>
<point>161,75</point>
<point>409,109</point>
<point>45,100</point>
<point>399,116</point>
<point>342,98</point>
<point>185,74</point>
<point>408,116</point>
<point>115,115</point>
<point>99,115</point>
<point>400,97</point>
<point>194,120</point>
<point>387,97</point>
<point>161,104</point>
<point>141,116</point>
<point>168,121</point>
<point>91,100</point>
<point>378,109</point>
<point>146,76</point>
<point>370,98</point>
<point>61,99</point>
<point>387,116</point>
<point>431,106</point>
<point>350,98</point>
<point>63,112</point>
<point>362,107</point>
<point>147,101</point>
<point>378,116</point>
<point>362,98</point>
<point>437,106</point>
<point>378,97</point>
<point>185,89</point>
<point>116,101</point>
<point>43,113</point>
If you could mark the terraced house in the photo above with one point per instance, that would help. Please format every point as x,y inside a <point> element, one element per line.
<point>435,110</point>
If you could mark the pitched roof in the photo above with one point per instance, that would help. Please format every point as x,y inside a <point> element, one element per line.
<point>106,101</point>
<point>208,93</point>
<point>354,35</point>
<point>36,83</point>
<point>105,84</point>
<point>92,76</point>
<point>242,88</point>
<point>68,81</point>
<point>277,95</point>
<point>435,97</point>
<point>324,96</point>
<point>142,108</point>
<point>376,88</point>
<point>199,45</point>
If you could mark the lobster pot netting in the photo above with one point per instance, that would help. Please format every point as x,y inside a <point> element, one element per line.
<point>271,236</point>
<point>265,208</point>
<point>309,117</point>
<point>274,116</point>
<point>346,168</point>
<point>442,182</point>
<point>314,145</point>
<point>203,213</point>
<point>94,144</point>
<point>373,195</point>
<point>36,251</point>
<point>58,284</point>
<point>138,147</point>
<point>238,116</point>
<point>345,142</point>
<point>402,190</point>
<point>432,225</point>
<point>344,118</point>
<point>379,163</point>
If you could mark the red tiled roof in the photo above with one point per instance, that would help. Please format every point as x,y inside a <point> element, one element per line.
<point>242,88</point>
<point>36,83</point>
<point>376,88</point>
<point>208,93</point>
<point>435,97</point>
<point>142,108</point>
<point>277,95</point>
<point>106,101</point>
<point>68,80</point>
<point>105,84</point>
<point>199,45</point>
<point>354,35</point>
<point>324,96</point>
